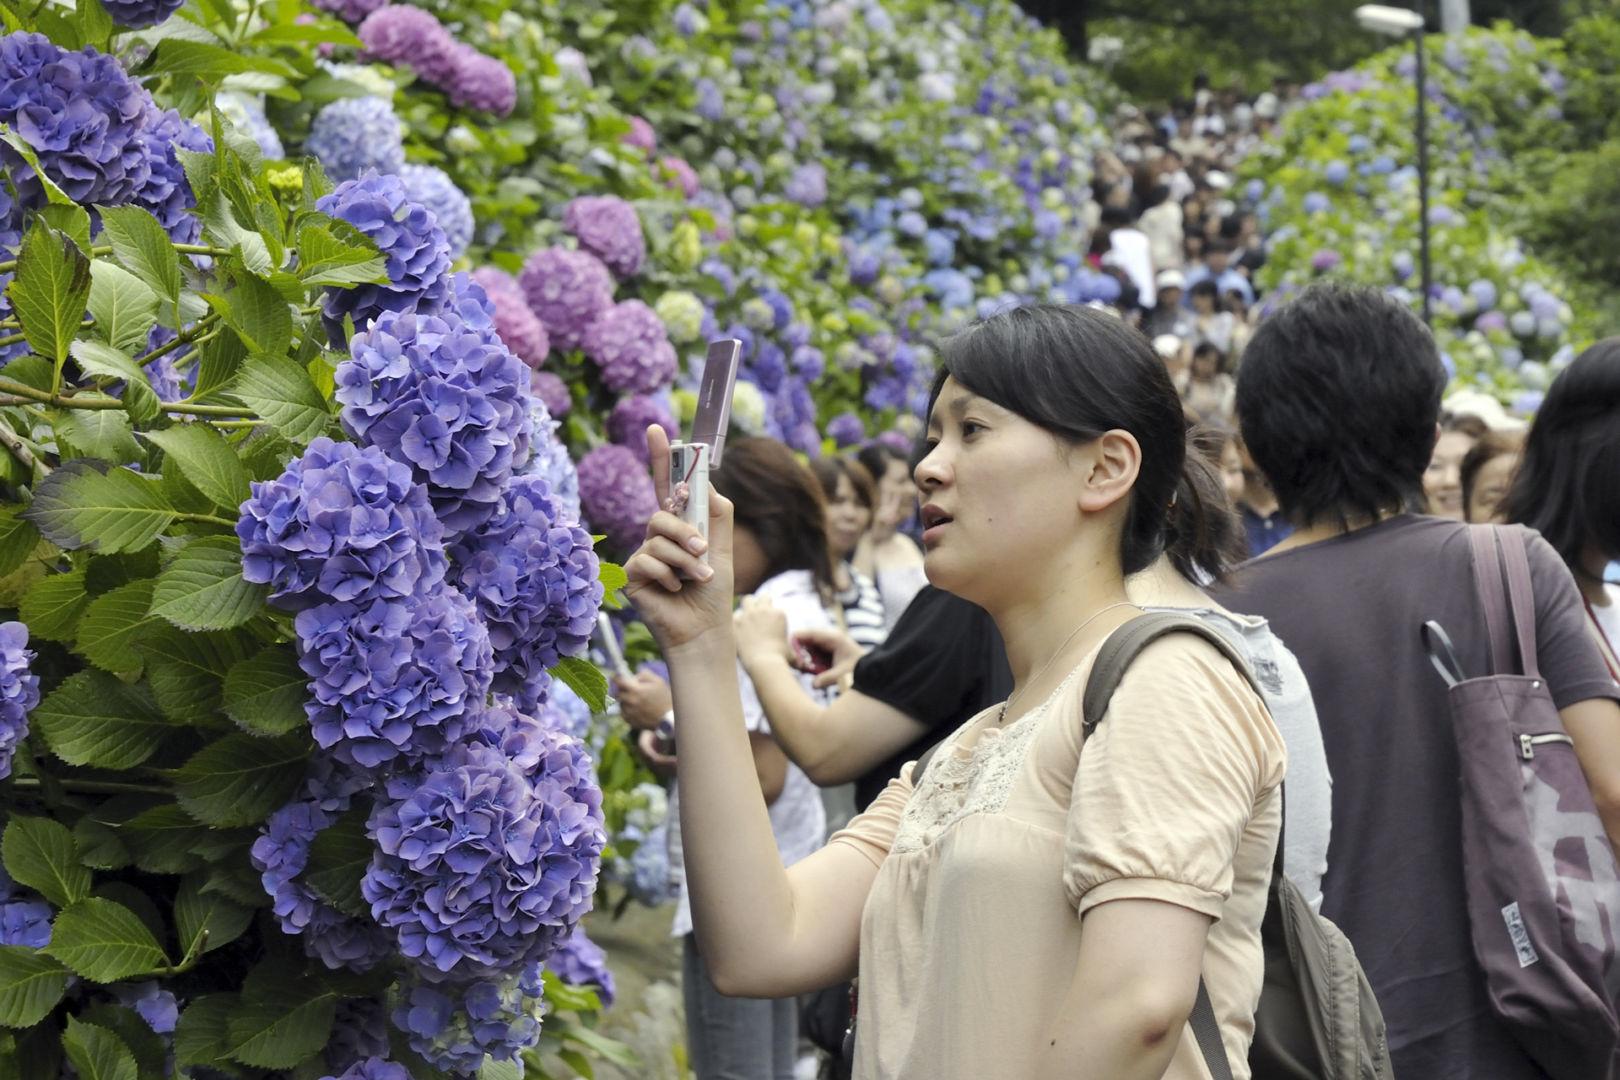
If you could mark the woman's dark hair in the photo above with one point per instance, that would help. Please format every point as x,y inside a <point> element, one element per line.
<point>1077,373</point>
<point>875,457</point>
<point>1157,195</point>
<point>1215,536</point>
<point>1206,287</point>
<point>1205,348</point>
<point>1337,398</point>
<point>1568,484</point>
<point>828,469</point>
<point>778,501</point>
<point>1491,445</point>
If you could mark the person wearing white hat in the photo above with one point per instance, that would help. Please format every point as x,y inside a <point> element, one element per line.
<point>1168,316</point>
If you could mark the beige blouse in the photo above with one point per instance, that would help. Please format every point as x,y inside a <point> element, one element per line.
<point>971,932</point>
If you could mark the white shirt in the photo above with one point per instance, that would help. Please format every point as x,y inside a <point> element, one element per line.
<point>798,820</point>
<point>1131,251</point>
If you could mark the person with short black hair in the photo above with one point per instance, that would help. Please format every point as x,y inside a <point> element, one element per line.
<point>1339,402</point>
<point>1210,389</point>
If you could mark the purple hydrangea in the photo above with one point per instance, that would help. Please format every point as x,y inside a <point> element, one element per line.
<point>83,116</point>
<point>482,866</point>
<point>167,193</point>
<point>565,711</point>
<point>568,290</point>
<point>532,572</point>
<point>550,390</point>
<point>607,227</point>
<point>404,35</point>
<point>350,11</point>
<point>373,1068</point>
<point>549,460</point>
<point>433,188</point>
<point>480,82</point>
<point>846,429</point>
<point>808,185</point>
<point>392,681</point>
<point>342,523</point>
<point>359,1031</point>
<point>627,424</point>
<point>454,1027</point>
<point>135,14</point>
<point>25,922</point>
<point>445,396</point>
<point>1325,259</point>
<point>579,961</point>
<point>515,321</point>
<point>351,136</point>
<point>616,495</point>
<point>19,690</point>
<point>681,176</point>
<point>157,1006</point>
<point>641,136</point>
<point>414,248</point>
<point>631,348</point>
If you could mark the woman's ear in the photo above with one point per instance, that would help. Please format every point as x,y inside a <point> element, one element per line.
<point>1109,470</point>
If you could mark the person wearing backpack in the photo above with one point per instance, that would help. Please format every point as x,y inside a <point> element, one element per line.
<point>1030,910</point>
<point>1339,401</point>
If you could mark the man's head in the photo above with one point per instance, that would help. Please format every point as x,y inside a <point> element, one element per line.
<point>1217,256</point>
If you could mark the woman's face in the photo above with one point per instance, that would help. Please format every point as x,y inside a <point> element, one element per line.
<point>1442,481</point>
<point>1232,472</point>
<point>1205,365</point>
<point>847,518</point>
<point>1203,303</point>
<point>1491,485</point>
<point>749,564</point>
<point>896,500</point>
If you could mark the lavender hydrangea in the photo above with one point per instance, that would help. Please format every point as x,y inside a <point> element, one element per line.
<point>607,227</point>
<point>631,349</point>
<point>532,572</point>
<point>616,495</point>
<point>568,290</point>
<point>444,395</point>
<point>565,711</point>
<point>157,1006</point>
<point>350,11</point>
<point>246,114</point>
<point>627,424</point>
<point>342,523</point>
<point>550,390</point>
<point>433,188</point>
<point>680,176</point>
<point>404,35</point>
<point>454,1027</point>
<point>25,922</point>
<point>136,14</point>
<point>359,1031</point>
<point>525,842</point>
<point>480,82</point>
<point>549,460</point>
<point>515,321</point>
<point>19,690</point>
<point>167,193</point>
<point>392,681</point>
<point>353,135</point>
<point>579,961</point>
<point>641,136</point>
<point>808,185</point>
<point>83,116</point>
<point>414,248</point>
<point>373,1068</point>
<point>846,429</point>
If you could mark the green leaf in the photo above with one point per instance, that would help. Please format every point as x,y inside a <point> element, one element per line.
<point>113,623</point>
<point>259,315</point>
<point>338,858</point>
<point>187,671</point>
<point>150,1050</point>
<point>203,588</point>
<point>102,360</point>
<point>49,292</point>
<point>282,1018</point>
<point>84,504</point>
<point>612,577</point>
<point>207,460</point>
<point>31,984</point>
<point>41,854</point>
<point>99,847</point>
<point>316,183</point>
<point>104,942</point>
<point>220,225</point>
<point>93,719</point>
<point>140,243</point>
<point>174,57</point>
<point>281,392</point>
<point>96,1053</point>
<point>99,433</point>
<point>52,608</point>
<point>201,1037</point>
<point>72,221</point>
<point>222,357</point>
<point>55,195</point>
<point>197,912</point>
<point>265,694</point>
<point>123,306</point>
<point>585,679</point>
<point>505,1070</point>
<point>294,34</point>
<point>18,539</point>
<point>240,884</point>
<point>323,259</point>
<point>162,838</point>
<point>240,779</point>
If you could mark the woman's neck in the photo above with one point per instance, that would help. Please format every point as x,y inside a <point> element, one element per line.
<point>1037,628</point>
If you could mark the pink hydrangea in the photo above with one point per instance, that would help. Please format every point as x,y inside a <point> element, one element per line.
<point>480,82</point>
<point>515,321</point>
<point>552,392</point>
<point>401,34</point>
<point>641,136</point>
<point>607,227</point>
<point>678,174</point>
<point>567,290</point>
<point>631,348</point>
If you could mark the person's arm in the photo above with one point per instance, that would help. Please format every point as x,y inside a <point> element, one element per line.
<point>1594,724</point>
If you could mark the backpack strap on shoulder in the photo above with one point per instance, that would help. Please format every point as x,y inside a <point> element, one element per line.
<point>1125,643</point>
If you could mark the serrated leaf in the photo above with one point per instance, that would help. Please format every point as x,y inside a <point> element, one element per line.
<point>100,359</point>
<point>187,671</point>
<point>123,306</point>
<point>259,315</point>
<point>507,1070</point>
<point>282,393</point>
<point>220,225</point>
<point>338,858</point>
<point>323,259</point>
<point>99,433</point>
<point>53,606</point>
<point>201,1036</point>
<point>239,779</point>
<point>265,694</point>
<point>150,1049</point>
<point>241,884</point>
<point>612,577</point>
<point>98,846</point>
<point>104,942</point>
<point>207,460</point>
<point>161,840</point>
<point>49,291</point>
<point>31,984</point>
<point>203,588</point>
<point>41,854</point>
<point>585,679</point>
<point>18,539</point>
<point>140,243</point>
<point>84,504</point>
<point>113,623</point>
<point>294,34</point>
<point>71,221</point>
<point>97,1053</point>
<point>281,1019</point>
<point>197,912</point>
<point>176,57</point>
<point>222,357</point>
<point>93,719</point>
<point>54,194</point>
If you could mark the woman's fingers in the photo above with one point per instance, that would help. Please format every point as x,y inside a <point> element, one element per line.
<point>658,455</point>
<point>645,568</point>
<point>665,525</point>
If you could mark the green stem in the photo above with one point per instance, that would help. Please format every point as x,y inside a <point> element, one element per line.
<point>208,519</point>
<point>93,787</point>
<point>11,264</point>
<point>13,339</point>
<point>202,249</point>
<point>200,332</point>
<point>21,393</point>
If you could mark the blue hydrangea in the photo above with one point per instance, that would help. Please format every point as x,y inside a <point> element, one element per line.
<point>579,961</point>
<point>167,193</point>
<point>25,922</point>
<point>157,1006</point>
<point>455,1026</point>
<point>359,1031</point>
<point>565,711</point>
<point>81,113</point>
<point>442,393</point>
<point>246,114</point>
<point>135,14</point>
<point>482,865</point>
<point>341,523</point>
<point>19,690</point>
<point>532,572</point>
<point>433,188</point>
<point>373,1068</point>
<point>414,248</point>
<point>353,135</point>
<point>391,682</point>
<point>651,882</point>
<point>549,460</point>
<point>846,429</point>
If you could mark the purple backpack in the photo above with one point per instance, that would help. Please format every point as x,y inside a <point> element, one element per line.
<point>1542,884</point>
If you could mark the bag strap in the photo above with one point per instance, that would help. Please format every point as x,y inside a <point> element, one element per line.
<point>1492,595</point>
<point>1207,1034</point>
<point>1521,596</point>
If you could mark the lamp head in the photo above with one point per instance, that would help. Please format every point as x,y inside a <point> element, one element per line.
<point>1390,21</point>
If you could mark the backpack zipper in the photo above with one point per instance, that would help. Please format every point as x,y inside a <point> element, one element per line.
<point>1528,743</point>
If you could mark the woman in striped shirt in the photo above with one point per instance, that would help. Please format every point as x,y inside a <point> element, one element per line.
<point>851,501</point>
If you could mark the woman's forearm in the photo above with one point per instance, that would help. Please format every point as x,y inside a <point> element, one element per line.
<point>794,717</point>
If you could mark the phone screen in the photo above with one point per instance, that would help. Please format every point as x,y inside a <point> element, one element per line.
<point>714,396</point>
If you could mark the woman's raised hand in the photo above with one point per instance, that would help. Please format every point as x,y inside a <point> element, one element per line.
<point>680,597</point>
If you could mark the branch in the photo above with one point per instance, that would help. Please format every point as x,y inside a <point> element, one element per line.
<point>19,449</point>
<point>93,787</point>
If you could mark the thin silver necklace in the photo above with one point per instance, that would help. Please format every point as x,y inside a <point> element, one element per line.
<point>1001,718</point>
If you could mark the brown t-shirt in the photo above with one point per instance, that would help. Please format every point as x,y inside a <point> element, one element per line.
<point>1350,608</point>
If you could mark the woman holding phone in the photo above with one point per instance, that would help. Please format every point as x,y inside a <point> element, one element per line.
<point>1027,910</point>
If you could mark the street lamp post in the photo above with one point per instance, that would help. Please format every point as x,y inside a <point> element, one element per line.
<point>1399,22</point>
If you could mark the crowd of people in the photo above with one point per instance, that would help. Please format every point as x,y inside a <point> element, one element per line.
<point>890,772</point>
